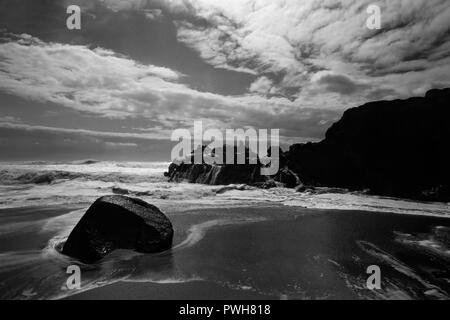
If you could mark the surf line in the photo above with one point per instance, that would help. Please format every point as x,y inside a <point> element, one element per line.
<point>196,310</point>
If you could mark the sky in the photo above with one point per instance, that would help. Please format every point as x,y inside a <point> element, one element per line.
<point>139,69</point>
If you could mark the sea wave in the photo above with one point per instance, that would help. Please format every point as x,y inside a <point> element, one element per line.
<point>10,177</point>
<point>42,177</point>
<point>31,184</point>
<point>86,161</point>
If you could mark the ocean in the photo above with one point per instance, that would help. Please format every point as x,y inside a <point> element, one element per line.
<point>230,241</point>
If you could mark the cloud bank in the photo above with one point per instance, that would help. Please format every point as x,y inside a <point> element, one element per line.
<point>294,40</point>
<point>99,82</point>
<point>307,62</point>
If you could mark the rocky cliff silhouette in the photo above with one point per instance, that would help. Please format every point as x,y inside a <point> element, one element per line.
<point>397,148</point>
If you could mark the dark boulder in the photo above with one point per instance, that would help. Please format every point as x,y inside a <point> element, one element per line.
<point>119,222</point>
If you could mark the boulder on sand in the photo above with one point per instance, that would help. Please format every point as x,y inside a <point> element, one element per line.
<point>119,222</point>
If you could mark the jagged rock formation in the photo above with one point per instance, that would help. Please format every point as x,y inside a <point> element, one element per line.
<point>394,148</point>
<point>249,174</point>
<point>215,174</point>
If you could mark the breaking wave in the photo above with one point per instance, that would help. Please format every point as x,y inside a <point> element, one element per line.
<point>52,183</point>
<point>42,175</point>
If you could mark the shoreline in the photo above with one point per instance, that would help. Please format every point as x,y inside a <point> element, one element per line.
<point>254,252</point>
<point>301,256</point>
<point>194,290</point>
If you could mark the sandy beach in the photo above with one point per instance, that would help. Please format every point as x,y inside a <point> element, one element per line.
<point>262,252</point>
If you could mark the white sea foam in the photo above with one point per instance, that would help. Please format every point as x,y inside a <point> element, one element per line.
<point>43,184</point>
<point>361,202</point>
<point>20,227</point>
<point>339,200</point>
<point>63,223</point>
<point>198,231</point>
<point>398,265</point>
<point>170,280</point>
<point>436,242</point>
<point>11,260</point>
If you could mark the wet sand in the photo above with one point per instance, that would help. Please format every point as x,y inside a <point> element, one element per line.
<point>264,252</point>
<point>308,255</point>
<point>195,290</point>
<point>21,228</point>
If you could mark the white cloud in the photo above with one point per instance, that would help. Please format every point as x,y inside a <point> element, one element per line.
<point>9,119</point>
<point>311,60</point>
<point>156,135</point>
<point>295,39</point>
<point>100,82</point>
<point>338,83</point>
<point>118,5</point>
<point>119,145</point>
<point>155,14</point>
<point>262,85</point>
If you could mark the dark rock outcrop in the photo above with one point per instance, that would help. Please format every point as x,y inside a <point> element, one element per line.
<point>393,148</point>
<point>215,174</point>
<point>119,222</point>
<point>249,174</point>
